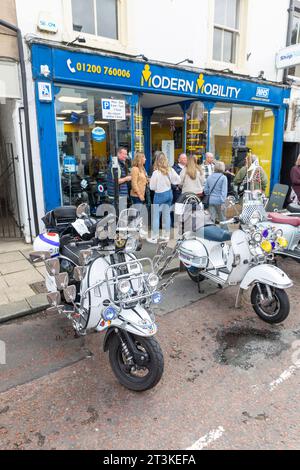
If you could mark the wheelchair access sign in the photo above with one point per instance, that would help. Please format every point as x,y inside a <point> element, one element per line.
<point>45,91</point>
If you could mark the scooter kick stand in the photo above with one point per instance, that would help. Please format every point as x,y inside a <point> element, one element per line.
<point>239,298</point>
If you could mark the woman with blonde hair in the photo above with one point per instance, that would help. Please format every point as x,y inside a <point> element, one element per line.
<point>161,182</point>
<point>138,179</point>
<point>192,177</point>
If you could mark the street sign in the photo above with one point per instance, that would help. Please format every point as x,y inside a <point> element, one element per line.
<point>113,109</point>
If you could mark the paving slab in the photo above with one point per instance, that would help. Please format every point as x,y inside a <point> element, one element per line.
<point>38,301</point>
<point>14,267</point>
<point>24,277</point>
<point>8,246</point>
<point>18,293</point>
<point>11,257</point>
<point>3,298</point>
<point>14,310</point>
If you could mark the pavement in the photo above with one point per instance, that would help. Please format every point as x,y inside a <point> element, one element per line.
<point>21,283</point>
<point>230,381</point>
<point>22,286</point>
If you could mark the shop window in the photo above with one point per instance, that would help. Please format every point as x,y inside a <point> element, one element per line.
<point>226,30</point>
<point>87,138</point>
<point>96,17</point>
<point>236,130</point>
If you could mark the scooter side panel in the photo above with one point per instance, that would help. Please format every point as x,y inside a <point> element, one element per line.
<point>266,274</point>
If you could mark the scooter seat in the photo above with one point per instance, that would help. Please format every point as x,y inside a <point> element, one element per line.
<point>214,234</point>
<point>284,219</point>
<point>65,212</point>
<point>294,208</point>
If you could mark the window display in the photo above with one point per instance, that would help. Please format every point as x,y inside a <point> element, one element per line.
<point>238,129</point>
<point>91,125</point>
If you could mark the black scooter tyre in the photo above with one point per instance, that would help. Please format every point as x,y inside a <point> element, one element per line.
<point>280,298</point>
<point>155,364</point>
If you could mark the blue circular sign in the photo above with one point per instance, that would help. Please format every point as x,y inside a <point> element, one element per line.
<point>98,134</point>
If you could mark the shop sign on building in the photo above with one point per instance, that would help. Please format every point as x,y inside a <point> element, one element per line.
<point>288,57</point>
<point>47,23</point>
<point>113,109</point>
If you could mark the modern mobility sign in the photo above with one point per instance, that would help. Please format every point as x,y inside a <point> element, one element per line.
<point>197,85</point>
<point>111,72</point>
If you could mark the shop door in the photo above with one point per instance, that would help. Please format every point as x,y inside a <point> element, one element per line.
<point>10,225</point>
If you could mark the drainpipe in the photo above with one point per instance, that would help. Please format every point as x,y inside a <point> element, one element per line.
<point>26,115</point>
<point>289,32</point>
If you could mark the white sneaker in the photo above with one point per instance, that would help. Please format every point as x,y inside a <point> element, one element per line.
<point>152,240</point>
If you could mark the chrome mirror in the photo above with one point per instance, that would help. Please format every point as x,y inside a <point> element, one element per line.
<point>62,281</point>
<point>70,294</point>
<point>54,298</point>
<point>85,257</point>
<point>79,273</point>
<point>36,256</point>
<point>101,233</point>
<point>83,210</point>
<point>52,266</point>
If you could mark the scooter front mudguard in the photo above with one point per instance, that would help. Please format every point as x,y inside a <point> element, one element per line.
<point>266,274</point>
<point>134,320</point>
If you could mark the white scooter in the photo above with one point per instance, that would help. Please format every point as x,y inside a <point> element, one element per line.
<point>239,258</point>
<point>107,288</point>
<point>286,224</point>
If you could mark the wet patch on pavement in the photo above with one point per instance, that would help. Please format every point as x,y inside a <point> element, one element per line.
<point>244,346</point>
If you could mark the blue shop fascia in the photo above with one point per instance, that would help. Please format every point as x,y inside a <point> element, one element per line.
<point>89,103</point>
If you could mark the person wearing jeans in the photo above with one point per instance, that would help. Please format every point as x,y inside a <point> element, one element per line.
<point>161,183</point>
<point>216,187</point>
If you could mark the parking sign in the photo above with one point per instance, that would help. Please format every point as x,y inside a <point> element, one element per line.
<point>113,109</point>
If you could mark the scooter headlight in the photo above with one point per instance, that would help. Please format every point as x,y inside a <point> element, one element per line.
<point>279,233</point>
<point>257,237</point>
<point>282,242</point>
<point>124,286</point>
<point>153,280</point>
<point>109,313</point>
<point>156,297</point>
<point>266,246</point>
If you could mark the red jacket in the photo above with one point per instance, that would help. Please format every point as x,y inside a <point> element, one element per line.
<point>295,180</point>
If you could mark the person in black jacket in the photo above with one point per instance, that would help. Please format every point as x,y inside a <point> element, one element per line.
<point>178,167</point>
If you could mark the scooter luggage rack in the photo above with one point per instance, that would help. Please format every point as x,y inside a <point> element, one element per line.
<point>113,281</point>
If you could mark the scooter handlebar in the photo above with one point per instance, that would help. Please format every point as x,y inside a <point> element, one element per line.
<point>233,220</point>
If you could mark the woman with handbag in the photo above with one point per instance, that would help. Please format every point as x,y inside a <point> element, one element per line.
<point>161,183</point>
<point>215,191</point>
<point>192,177</point>
<point>139,181</point>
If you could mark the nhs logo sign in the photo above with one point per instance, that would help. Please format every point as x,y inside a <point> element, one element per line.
<point>262,92</point>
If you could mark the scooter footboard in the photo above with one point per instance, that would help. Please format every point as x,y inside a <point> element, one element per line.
<point>266,274</point>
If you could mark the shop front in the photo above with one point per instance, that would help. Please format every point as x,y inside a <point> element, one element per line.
<point>88,105</point>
